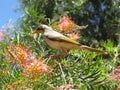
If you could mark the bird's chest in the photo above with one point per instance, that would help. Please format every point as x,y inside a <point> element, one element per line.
<point>52,43</point>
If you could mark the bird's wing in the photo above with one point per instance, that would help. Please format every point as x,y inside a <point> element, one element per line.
<point>69,40</point>
<point>61,38</point>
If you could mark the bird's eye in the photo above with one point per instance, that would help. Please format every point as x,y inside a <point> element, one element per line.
<point>40,28</point>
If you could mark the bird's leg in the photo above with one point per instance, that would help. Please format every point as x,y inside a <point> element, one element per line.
<point>63,53</point>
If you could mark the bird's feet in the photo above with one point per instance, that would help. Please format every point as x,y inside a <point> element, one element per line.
<point>56,56</point>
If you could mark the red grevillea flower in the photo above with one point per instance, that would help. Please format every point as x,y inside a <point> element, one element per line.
<point>2,34</point>
<point>66,24</point>
<point>14,86</point>
<point>74,36</point>
<point>35,69</point>
<point>32,67</point>
<point>116,74</point>
<point>18,53</point>
<point>21,54</point>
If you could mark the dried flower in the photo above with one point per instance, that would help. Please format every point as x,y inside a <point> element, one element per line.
<point>116,74</point>
<point>66,24</point>
<point>74,36</point>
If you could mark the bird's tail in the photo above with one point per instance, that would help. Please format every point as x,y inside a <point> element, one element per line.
<point>93,49</point>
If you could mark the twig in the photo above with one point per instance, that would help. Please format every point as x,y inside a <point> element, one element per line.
<point>63,75</point>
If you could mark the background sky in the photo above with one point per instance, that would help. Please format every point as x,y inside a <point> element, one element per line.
<point>7,11</point>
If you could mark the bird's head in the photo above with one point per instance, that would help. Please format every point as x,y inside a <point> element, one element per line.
<point>41,29</point>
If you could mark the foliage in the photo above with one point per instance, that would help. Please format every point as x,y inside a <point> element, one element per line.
<point>23,65</point>
<point>102,17</point>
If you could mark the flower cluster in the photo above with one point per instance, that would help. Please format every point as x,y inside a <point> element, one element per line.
<point>74,36</point>
<point>116,74</point>
<point>35,68</point>
<point>22,56</point>
<point>14,86</point>
<point>18,54</point>
<point>2,34</point>
<point>66,24</point>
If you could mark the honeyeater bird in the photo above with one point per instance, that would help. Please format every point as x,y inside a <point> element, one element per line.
<point>58,41</point>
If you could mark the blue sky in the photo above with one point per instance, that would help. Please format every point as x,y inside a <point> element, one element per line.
<point>7,11</point>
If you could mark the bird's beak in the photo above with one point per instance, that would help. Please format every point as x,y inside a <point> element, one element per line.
<point>36,31</point>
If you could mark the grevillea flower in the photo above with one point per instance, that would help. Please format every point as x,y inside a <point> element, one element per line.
<point>74,36</point>
<point>116,74</point>
<point>14,86</point>
<point>32,67</point>
<point>66,24</point>
<point>21,54</point>
<point>35,68</point>
<point>2,34</point>
<point>18,54</point>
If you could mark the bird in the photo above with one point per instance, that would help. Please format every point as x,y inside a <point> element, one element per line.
<point>61,42</point>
